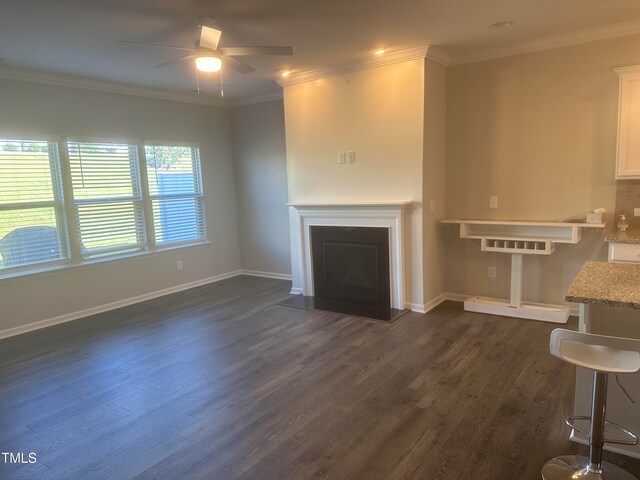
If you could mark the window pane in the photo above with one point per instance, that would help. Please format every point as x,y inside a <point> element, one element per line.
<point>104,170</point>
<point>106,188</point>
<point>30,236</point>
<point>111,227</point>
<point>172,170</point>
<point>178,219</point>
<point>176,191</point>
<point>25,172</point>
<point>32,224</point>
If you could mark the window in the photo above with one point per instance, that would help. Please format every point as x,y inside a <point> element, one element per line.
<point>93,200</point>
<point>175,188</point>
<point>32,218</point>
<point>107,194</point>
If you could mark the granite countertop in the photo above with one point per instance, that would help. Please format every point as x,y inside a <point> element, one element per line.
<point>632,235</point>
<point>603,283</point>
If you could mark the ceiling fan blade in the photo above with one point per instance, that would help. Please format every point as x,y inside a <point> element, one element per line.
<point>246,51</point>
<point>154,45</point>
<point>209,37</point>
<point>236,65</point>
<point>175,60</point>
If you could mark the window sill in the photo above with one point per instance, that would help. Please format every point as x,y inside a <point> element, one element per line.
<point>67,267</point>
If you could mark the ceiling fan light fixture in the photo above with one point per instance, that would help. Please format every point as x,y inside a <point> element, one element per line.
<point>208,63</point>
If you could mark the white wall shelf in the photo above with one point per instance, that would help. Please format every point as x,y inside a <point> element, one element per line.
<point>520,238</point>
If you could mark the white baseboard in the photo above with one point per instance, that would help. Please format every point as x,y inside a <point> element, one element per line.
<point>455,297</point>
<point>431,304</point>
<point>10,332</point>
<point>574,310</point>
<point>531,311</point>
<point>426,307</point>
<point>415,307</point>
<point>458,297</point>
<point>257,273</point>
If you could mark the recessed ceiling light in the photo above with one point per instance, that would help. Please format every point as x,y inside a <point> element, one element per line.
<point>380,50</point>
<point>285,73</point>
<point>503,24</point>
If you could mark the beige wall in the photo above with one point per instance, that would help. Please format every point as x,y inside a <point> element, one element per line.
<point>378,113</point>
<point>433,187</point>
<point>539,131</point>
<point>261,187</point>
<point>31,109</point>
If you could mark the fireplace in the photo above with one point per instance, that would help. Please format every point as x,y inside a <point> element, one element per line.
<point>351,268</point>
<point>377,290</point>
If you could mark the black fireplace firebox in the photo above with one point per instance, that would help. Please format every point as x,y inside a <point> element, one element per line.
<point>351,270</point>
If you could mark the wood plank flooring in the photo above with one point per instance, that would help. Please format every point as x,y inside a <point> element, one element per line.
<point>218,382</point>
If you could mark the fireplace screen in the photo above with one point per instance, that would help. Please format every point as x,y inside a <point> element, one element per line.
<point>351,265</point>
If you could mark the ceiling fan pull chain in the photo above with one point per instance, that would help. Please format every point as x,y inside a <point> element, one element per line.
<point>197,82</point>
<point>221,86</point>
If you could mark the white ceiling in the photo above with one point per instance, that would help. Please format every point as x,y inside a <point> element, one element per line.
<point>78,37</point>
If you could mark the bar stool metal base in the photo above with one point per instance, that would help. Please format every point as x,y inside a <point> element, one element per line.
<point>575,467</point>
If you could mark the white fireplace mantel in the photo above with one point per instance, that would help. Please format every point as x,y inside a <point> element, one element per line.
<point>362,214</point>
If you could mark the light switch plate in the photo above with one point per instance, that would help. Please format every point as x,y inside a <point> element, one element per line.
<point>493,202</point>
<point>636,212</point>
<point>492,271</point>
<point>342,157</point>
<point>351,156</point>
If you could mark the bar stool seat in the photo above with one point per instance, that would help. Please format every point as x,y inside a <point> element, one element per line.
<point>603,355</point>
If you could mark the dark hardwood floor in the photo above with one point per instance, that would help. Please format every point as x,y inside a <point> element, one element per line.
<point>220,383</point>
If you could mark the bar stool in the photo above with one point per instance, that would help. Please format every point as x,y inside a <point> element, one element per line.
<point>603,355</point>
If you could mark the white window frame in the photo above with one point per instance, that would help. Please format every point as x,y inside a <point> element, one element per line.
<point>143,244</point>
<point>66,208</point>
<point>195,148</point>
<point>58,204</point>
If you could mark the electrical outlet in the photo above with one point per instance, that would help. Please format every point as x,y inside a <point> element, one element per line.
<point>493,202</point>
<point>636,212</point>
<point>492,271</point>
<point>433,205</point>
<point>179,264</point>
<point>351,156</point>
<point>342,158</point>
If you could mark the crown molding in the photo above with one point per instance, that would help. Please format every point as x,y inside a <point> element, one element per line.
<point>47,78</point>
<point>367,63</point>
<point>438,56</point>
<point>627,70</point>
<point>267,97</point>
<point>556,41</point>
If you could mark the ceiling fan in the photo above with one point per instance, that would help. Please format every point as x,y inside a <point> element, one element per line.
<point>210,57</point>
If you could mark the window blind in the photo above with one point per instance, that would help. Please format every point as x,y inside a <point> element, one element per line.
<point>32,220</point>
<point>105,178</point>
<point>175,187</point>
<point>107,200</point>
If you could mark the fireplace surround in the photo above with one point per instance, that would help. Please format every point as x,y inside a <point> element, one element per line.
<point>389,216</point>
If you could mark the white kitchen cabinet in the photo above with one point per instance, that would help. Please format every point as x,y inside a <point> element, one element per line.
<point>624,252</point>
<point>628,153</point>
